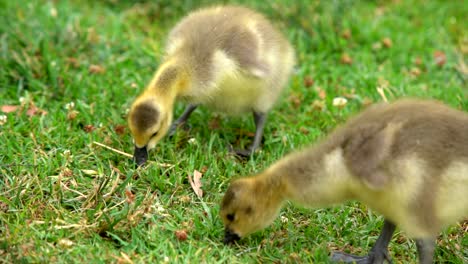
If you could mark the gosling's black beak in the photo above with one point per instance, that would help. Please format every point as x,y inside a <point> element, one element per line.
<point>140,155</point>
<point>230,237</point>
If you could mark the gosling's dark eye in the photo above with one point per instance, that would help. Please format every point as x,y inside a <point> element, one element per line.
<point>154,134</point>
<point>230,217</point>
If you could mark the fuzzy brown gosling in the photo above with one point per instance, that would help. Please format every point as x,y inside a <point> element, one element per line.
<point>228,58</point>
<point>407,160</point>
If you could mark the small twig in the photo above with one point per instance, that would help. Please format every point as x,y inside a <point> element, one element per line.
<point>245,251</point>
<point>381,92</point>
<point>164,165</point>
<point>113,149</point>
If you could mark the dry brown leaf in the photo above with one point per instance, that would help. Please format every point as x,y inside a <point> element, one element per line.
<point>88,128</point>
<point>321,93</point>
<point>214,123</point>
<point>34,110</point>
<point>295,100</point>
<point>9,108</point>
<point>181,235</point>
<point>119,129</point>
<point>415,71</point>
<point>196,183</point>
<point>96,69</point>
<point>387,42</point>
<point>304,130</point>
<point>73,62</point>
<point>346,59</point>
<point>440,58</point>
<point>318,105</point>
<point>418,61</point>
<point>65,243</point>
<point>308,81</point>
<point>346,34</point>
<point>130,196</point>
<point>71,115</point>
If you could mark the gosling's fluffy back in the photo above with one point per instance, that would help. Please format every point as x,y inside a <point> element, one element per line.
<point>231,46</point>
<point>408,160</point>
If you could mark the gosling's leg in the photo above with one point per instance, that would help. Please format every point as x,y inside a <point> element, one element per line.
<point>185,115</point>
<point>259,119</point>
<point>377,255</point>
<point>425,250</point>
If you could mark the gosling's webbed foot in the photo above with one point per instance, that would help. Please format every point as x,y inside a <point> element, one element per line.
<point>241,153</point>
<point>373,258</point>
<point>342,257</point>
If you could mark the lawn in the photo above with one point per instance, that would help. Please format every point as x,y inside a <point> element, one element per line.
<point>69,71</point>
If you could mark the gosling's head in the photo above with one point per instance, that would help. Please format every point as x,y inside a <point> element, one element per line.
<point>248,206</point>
<point>148,122</point>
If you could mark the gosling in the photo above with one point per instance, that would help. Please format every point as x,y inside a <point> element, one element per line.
<point>228,58</point>
<point>408,160</point>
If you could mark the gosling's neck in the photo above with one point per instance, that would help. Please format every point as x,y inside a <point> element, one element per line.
<point>171,80</point>
<point>312,177</point>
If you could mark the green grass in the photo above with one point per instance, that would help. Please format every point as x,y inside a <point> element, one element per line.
<point>52,209</point>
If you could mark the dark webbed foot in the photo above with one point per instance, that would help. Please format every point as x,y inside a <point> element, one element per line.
<point>259,119</point>
<point>377,255</point>
<point>372,258</point>
<point>242,153</point>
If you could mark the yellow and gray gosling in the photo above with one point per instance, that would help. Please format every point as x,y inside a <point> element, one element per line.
<point>228,58</point>
<point>407,160</point>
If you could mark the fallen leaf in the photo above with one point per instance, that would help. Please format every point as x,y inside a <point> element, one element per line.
<point>53,12</point>
<point>88,128</point>
<point>346,34</point>
<point>34,110</point>
<point>90,172</point>
<point>125,259</point>
<point>318,105</point>
<point>321,93</point>
<point>415,71</point>
<point>130,196</point>
<point>339,102</point>
<point>119,129</point>
<point>185,199</point>
<point>96,69</point>
<point>3,119</point>
<point>214,123</point>
<point>418,61</point>
<point>304,130</point>
<point>73,62</point>
<point>387,42</point>
<point>295,100</point>
<point>346,59</point>
<point>71,115</point>
<point>308,81</point>
<point>65,243</point>
<point>196,183</point>
<point>181,235</point>
<point>9,108</point>
<point>440,58</point>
